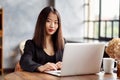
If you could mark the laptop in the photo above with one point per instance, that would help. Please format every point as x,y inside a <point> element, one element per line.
<point>80,59</point>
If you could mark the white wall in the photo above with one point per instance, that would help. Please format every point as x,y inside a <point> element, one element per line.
<point>19,22</point>
<point>72,14</point>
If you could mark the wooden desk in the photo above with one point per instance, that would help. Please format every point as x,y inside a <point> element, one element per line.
<point>42,76</point>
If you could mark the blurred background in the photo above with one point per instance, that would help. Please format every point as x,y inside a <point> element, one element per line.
<point>82,21</point>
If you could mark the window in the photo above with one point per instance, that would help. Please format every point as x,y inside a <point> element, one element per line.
<point>102,19</point>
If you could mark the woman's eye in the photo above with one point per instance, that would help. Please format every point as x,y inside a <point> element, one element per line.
<point>56,22</point>
<point>48,21</point>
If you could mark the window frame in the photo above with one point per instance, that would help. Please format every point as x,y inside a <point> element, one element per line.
<point>100,21</point>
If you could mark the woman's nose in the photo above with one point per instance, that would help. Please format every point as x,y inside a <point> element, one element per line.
<point>52,24</point>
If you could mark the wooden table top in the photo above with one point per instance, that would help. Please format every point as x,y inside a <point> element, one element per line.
<point>42,76</point>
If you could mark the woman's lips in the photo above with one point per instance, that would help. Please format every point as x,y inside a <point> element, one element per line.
<point>51,30</point>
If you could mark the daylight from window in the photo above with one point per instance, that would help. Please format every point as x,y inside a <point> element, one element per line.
<point>102,18</point>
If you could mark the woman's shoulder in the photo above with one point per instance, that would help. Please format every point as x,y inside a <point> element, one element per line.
<point>30,42</point>
<point>65,41</point>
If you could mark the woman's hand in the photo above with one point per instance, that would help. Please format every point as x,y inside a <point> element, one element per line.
<point>59,64</point>
<point>48,66</point>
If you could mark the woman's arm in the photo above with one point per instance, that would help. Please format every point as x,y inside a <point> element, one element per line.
<point>26,60</point>
<point>48,66</point>
<point>28,64</point>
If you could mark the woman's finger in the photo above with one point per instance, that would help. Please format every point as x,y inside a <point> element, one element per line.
<point>52,66</point>
<point>59,64</point>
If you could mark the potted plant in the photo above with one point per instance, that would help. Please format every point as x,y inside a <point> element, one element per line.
<point>113,50</point>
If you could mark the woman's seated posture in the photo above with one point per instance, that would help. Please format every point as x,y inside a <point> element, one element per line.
<point>45,50</point>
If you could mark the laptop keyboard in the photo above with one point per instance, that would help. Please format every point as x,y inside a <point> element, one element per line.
<point>58,72</point>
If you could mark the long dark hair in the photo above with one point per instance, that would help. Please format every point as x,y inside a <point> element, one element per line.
<point>40,33</point>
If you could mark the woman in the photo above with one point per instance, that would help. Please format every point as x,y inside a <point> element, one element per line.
<point>44,52</point>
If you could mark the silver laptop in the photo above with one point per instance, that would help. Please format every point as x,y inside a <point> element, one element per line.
<point>80,59</point>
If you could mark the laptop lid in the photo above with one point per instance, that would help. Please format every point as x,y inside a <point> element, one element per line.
<point>81,58</point>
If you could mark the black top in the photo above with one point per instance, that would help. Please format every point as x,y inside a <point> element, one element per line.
<point>34,57</point>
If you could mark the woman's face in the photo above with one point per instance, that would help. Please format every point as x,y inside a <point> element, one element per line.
<point>51,24</point>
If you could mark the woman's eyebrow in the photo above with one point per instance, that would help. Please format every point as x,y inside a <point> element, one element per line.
<point>56,20</point>
<point>50,19</point>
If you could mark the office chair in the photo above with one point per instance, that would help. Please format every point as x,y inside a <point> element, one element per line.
<point>21,47</point>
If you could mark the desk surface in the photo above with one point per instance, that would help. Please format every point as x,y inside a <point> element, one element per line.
<point>42,76</point>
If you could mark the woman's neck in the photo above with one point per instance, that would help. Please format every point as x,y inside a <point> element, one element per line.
<point>48,39</point>
<point>49,49</point>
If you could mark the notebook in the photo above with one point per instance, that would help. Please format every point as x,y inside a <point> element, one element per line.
<point>80,59</point>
